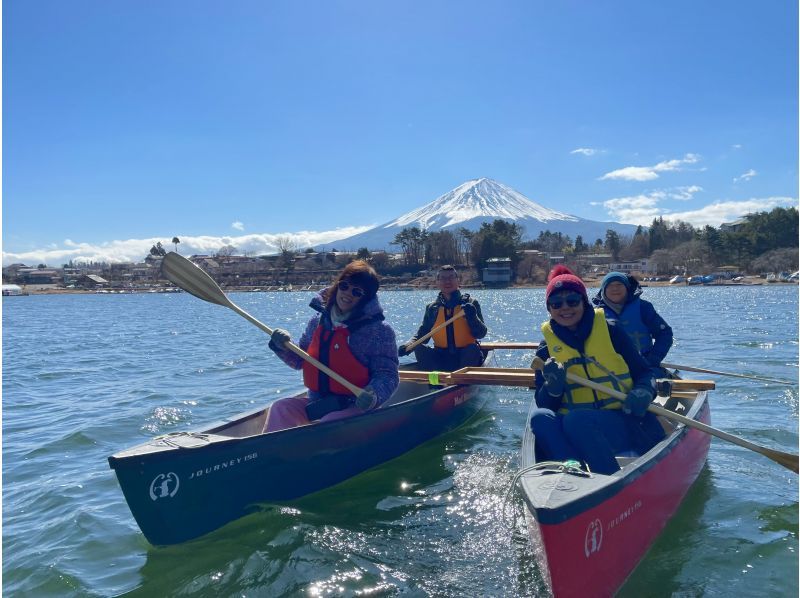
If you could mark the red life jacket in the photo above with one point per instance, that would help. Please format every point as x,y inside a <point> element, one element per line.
<point>332,348</point>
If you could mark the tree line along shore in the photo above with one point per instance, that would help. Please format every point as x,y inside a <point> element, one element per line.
<point>760,247</point>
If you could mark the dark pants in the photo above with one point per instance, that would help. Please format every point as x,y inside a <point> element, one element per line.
<point>593,436</point>
<point>431,359</point>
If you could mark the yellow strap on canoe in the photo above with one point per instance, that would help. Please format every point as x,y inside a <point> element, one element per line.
<point>433,378</point>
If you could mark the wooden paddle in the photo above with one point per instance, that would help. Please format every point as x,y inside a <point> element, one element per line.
<point>421,340</point>
<point>497,346</point>
<point>193,279</point>
<point>788,460</point>
<point>688,368</point>
<point>524,377</point>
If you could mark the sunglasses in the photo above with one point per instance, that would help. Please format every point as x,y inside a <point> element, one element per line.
<point>570,300</point>
<point>354,290</point>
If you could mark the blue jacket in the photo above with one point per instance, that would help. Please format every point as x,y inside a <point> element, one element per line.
<point>639,318</point>
<point>642,375</point>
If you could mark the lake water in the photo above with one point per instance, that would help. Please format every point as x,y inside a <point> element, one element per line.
<point>87,375</point>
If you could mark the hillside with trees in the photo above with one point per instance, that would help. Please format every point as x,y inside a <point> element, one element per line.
<point>761,242</point>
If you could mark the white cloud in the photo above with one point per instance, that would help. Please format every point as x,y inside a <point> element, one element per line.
<point>737,146</point>
<point>237,225</point>
<point>718,212</point>
<point>635,209</point>
<point>586,151</point>
<point>135,250</point>
<point>641,209</point>
<point>649,173</point>
<point>684,193</point>
<point>746,176</point>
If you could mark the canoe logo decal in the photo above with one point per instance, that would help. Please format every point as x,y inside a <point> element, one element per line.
<point>562,485</point>
<point>164,485</point>
<point>593,539</point>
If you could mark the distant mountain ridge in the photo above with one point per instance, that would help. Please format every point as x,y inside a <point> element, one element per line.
<point>471,204</point>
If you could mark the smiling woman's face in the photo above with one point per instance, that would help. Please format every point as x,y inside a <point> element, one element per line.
<point>348,296</point>
<point>566,308</point>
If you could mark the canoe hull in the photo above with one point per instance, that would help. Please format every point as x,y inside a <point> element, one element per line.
<point>182,486</point>
<point>590,545</point>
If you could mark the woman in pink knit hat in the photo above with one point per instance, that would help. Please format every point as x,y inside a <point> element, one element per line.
<point>571,421</point>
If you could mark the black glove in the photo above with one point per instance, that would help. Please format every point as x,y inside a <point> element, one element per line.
<point>469,311</point>
<point>555,377</point>
<point>278,340</point>
<point>402,351</point>
<point>637,401</point>
<point>367,399</point>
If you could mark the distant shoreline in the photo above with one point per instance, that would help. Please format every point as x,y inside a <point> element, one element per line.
<point>47,290</point>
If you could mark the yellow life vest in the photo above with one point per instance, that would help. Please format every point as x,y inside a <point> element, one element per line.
<point>463,335</point>
<point>599,363</point>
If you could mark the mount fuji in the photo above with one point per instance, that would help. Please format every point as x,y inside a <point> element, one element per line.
<point>471,204</point>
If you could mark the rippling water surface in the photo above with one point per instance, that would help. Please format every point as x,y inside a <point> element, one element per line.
<point>87,375</point>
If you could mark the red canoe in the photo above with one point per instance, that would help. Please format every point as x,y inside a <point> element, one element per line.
<point>590,532</point>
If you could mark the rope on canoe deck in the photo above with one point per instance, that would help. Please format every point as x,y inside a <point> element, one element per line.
<point>543,468</point>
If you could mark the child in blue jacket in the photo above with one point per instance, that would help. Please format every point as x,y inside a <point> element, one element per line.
<point>620,298</point>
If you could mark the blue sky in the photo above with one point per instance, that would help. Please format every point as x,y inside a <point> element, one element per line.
<point>127,121</point>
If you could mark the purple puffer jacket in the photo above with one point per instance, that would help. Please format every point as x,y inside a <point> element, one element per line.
<point>373,344</point>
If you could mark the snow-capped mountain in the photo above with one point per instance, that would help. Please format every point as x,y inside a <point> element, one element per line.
<point>481,198</point>
<point>471,204</point>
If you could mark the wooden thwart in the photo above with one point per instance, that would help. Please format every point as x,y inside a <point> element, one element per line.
<point>524,377</point>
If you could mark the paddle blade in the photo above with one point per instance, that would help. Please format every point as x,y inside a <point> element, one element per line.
<point>192,279</point>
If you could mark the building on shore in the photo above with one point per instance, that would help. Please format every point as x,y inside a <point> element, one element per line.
<point>497,271</point>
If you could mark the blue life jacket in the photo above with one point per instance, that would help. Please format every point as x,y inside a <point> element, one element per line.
<point>631,321</point>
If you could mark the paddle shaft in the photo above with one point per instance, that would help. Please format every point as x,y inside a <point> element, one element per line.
<point>496,346</point>
<point>193,279</point>
<point>688,368</point>
<point>788,460</point>
<point>421,340</point>
<point>299,352</point>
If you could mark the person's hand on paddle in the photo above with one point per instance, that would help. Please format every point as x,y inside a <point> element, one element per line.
<point>555,377</point>
<point>402,351</point>
<point>637,401</point>
<point>367,399</point>
<point>278,340</point>
<point>470,313</point>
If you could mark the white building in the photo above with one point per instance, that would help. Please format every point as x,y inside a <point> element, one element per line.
<point>643,266</point>
<point>497,270</point>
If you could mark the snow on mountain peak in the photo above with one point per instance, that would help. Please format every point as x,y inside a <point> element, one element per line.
<point>478,198</point>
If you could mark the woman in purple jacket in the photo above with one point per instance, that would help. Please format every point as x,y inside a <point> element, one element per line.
<point>350,336</point>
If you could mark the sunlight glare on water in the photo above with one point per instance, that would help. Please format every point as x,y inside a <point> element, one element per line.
<point>86,376</point>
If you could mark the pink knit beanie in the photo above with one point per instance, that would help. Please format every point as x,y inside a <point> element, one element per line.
<point>561,278</point>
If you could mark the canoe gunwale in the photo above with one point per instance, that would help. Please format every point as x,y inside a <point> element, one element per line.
<point>150,451</point>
